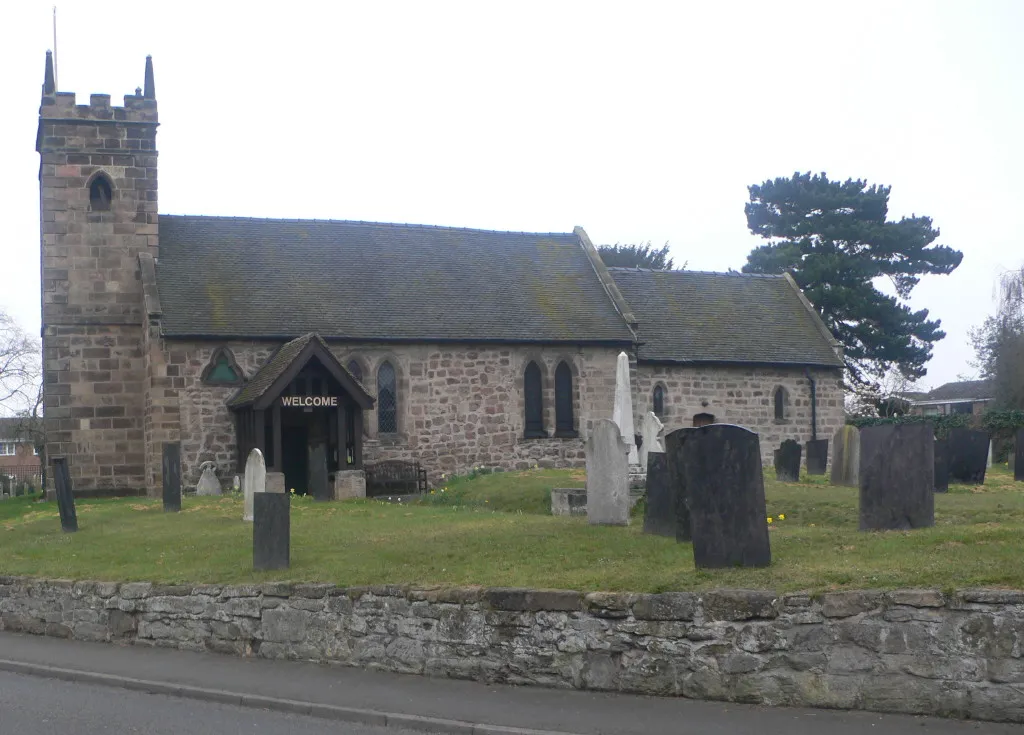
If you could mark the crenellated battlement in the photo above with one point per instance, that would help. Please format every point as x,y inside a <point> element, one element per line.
<point>63,106</point>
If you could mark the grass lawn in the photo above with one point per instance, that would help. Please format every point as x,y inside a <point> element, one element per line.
<point>492,530</point>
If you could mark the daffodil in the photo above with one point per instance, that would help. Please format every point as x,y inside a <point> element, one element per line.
<point>782,516</point>
<point>770,519</point>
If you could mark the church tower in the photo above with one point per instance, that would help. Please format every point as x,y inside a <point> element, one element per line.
<point>98,214</point>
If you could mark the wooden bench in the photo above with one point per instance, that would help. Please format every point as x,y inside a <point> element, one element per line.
<point>395,477</point>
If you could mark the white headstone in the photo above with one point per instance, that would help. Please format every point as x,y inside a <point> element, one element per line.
<point>236,483</point>
<point>988,462</point>
<point>255,480</point>
<point>622,413</point>
<point>208,482</point>
<point>607,470</point>
<point>652,439</point>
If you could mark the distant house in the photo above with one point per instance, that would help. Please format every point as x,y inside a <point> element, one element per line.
<point>965,396</point>
<point>17,448</point>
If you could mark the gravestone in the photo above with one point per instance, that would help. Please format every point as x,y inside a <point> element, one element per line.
<point>568,501</point>
<point>660,514</point>
<point>208,482</point>
<point>651,441</point>
<point>846,456</point>
<point>721,465</point>
<point>897,477</point>
<point>622,411</point>
<point>968,455</point>
<point>319,487</point>
<point>172,477</point>
<point>65,495</point>
<point>941,465</point>
<point>254,481</point>
<point>817,456</point>
<point>607,470</point>
<point>787,461</point>
<point>236,484</point>
<point>271,531</point>
<point>674,442</point>
<point>988,461</point>
<point>1018,457</point>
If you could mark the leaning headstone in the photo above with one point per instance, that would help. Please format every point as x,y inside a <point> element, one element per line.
<point>208,482</point>
<point>968,455</point>
<point>660,514</point>
<point>622,411</point>
<point>721,464</point>
<point>650,429</point>
<point>607,469</point>
<point>846,456</point>
<point>897,477</point>
<point>254,481</point>
<point>941,465</point>
<point>817,456</point>
<point>1018,457</point>
<point>271,531</point>
<point>172,477</point>
<point>674,442</point>
<point>787,461</point>
<point>319,487</point>
<point>65,495</point>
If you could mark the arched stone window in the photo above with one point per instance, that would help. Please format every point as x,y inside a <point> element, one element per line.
<point>356,369</point>
<point>703,419</point>
<point>222,369</point>
<point>780,399</point>
<point>387,399</point>
<point>658,399</point>
<point>101,193</point>
<point>533,396</point>
<point>565,425</point>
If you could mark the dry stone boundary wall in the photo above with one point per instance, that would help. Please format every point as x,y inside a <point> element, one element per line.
<point>911,651</point>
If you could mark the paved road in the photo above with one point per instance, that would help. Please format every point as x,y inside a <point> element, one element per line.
<point>31,705</point>
<point>584,713</point>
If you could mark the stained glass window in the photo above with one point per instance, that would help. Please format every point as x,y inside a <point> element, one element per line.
<point>387,399</point>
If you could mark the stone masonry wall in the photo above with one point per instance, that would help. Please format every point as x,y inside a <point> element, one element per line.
<point>92,307</point>
<point>745,396</point>
<point>911,651</point>
<point>459,407</point>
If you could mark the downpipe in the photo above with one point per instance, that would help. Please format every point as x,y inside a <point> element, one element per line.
<point>814,404</point>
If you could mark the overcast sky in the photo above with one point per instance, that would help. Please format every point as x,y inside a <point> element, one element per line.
<point>637,121</point>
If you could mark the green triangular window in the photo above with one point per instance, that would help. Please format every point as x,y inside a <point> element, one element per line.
<point>222,371</point>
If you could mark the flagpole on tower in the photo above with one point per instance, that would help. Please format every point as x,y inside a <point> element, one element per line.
<point>55,47</point>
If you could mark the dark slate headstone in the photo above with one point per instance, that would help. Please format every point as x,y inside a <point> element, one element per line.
<point>660,516</point>
<point>172,477</point>
<point>319,487</point>
<point>1018,457</point>
<point>968,455</point>
<point>897,477</point>
<point>271,531</point>
<point>722,472</point>
<point>674,442</point>
<point>941,465</point>
<point>787,461</point>
<point>65,495</point>
<point>817,456</point>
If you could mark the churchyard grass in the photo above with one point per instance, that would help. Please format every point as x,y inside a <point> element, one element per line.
<point>978,540</point>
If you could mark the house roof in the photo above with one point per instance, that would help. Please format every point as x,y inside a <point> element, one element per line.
<point>229,277</point>
<point>963,390</point>
<point>693,316</point>
<point>280,363</point>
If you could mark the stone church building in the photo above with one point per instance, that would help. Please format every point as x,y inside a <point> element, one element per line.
<point>453,347</point>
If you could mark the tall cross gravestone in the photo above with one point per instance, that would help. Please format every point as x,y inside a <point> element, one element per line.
<point>254,481</point>
<point>65,495</point>
<point>968,455</point>
<point>787,461</point>
<point>941,465</point>
<point>650,430</point>
<point>607,475</point>
<point>897,477</point>
<point>675,460</point>
<point>722,472</point>
<point>172,477</point>
<point>817,456</point>
<point>1018,457</point>
<point>846,456</point>
<point>660,514</point>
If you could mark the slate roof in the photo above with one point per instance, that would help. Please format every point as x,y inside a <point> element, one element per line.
<point>963,390</point>
<point>693,316</point>
<point>229,277</point>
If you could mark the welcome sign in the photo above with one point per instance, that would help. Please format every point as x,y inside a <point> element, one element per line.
<point>309,401</point>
